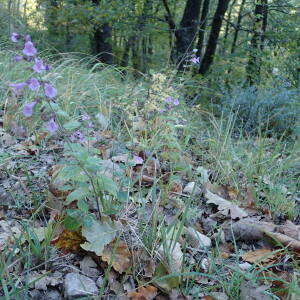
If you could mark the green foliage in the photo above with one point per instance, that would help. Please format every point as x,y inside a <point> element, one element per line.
<point>275,110</point>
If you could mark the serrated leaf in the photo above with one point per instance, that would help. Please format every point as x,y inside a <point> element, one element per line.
<point>83,205</point>
<point>78,194</point>
<point>108,185</point>
<point>99,235</point>
<point>93,164</point>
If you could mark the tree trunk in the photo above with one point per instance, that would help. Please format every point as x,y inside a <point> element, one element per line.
<point>227,27</point>
<point>101,41</point>
<point>172,29</point>
<point>185,34</point>
<point>214,36</point>
<point>203,21</point>
<point>254,62</point>
<point>237,26</point>
<point>264,23</point>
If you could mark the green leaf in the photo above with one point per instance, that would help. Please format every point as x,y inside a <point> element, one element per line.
<point>108,185</point>
<point>78,194</point>
<point>98,235</point>
<point>87,221</point>
<point>166,284</point>
<point>83,205</point>
<point>68,172</point>
<point>72,125</point>
<point>93,164</point>
<point>71,223</point>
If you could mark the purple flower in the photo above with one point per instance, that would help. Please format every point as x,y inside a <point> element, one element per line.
<point>39,66</point>
<point>27,38</point>
<point>48,67</point>
<point>195,60</point>
<point>77,135</point>
<point>168,100</point>
<point>138,160</point>
<point>28,109</point>
<point>162,110</point>
<point>33,84</point>
<point>17,87</point>
<point>85,117</point>
<point>18,58</point>
<point>72,137</point>
<point>50,91</point>
<point>90,124</point>
<point>176,102</point>
<point>14,37</point>
<point>52,126</point>
<point>29,49</point>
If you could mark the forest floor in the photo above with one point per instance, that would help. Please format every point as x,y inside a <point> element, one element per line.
<point>184,208</point>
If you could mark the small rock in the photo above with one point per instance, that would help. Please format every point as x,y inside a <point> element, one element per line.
<point>35,295</point>
<point>244,266</point>
<point>89,267</point>
<point>192,188</point>
<point>203,173</point>
<point>52,295</point>
<point>99,281</point>
<point>196,239</point>
<point>77,286</point>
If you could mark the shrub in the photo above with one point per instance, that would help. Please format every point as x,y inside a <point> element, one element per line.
<point>275,110</point>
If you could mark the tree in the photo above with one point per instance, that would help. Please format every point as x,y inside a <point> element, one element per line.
<point>214,36</point>
<point>237,26</point>
<point>101,40</point>
<point>186,32</point>
<point>203,21</point>
<point>257,41</point>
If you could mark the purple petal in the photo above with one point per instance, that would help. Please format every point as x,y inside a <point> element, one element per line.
<point>18,58</point>
<point>176,102</point>
<point>14,37</point>
<point>48,67</point>
<point>29,49</point>
<point>27,38</point>
<point>33,84</point>
<point>28,109</point>
<point>85,117</point>
<point>90,124</point>
<point>195,60</point>
<point>138,160</point>
<point>39,66</point>
<point>52,126</point>
<point>50,91</point>
<point>72,138</point>
<point>17,87</point>
<point>168,100</point>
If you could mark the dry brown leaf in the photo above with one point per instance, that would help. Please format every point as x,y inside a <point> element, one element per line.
<point>224,206</point>
<point>69,241</point>
<point>147,292</point>
<point>176,187</point>
<point>119,255</point>
<point>175,254</point>
<point>285,240</point>
<point>245,230</point>
<point>149,268</point>
<point>261,255</point>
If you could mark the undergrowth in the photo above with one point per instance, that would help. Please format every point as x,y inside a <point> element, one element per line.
<point>134,112</point>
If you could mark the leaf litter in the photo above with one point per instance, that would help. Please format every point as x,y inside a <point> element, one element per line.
<point>96,250</point>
